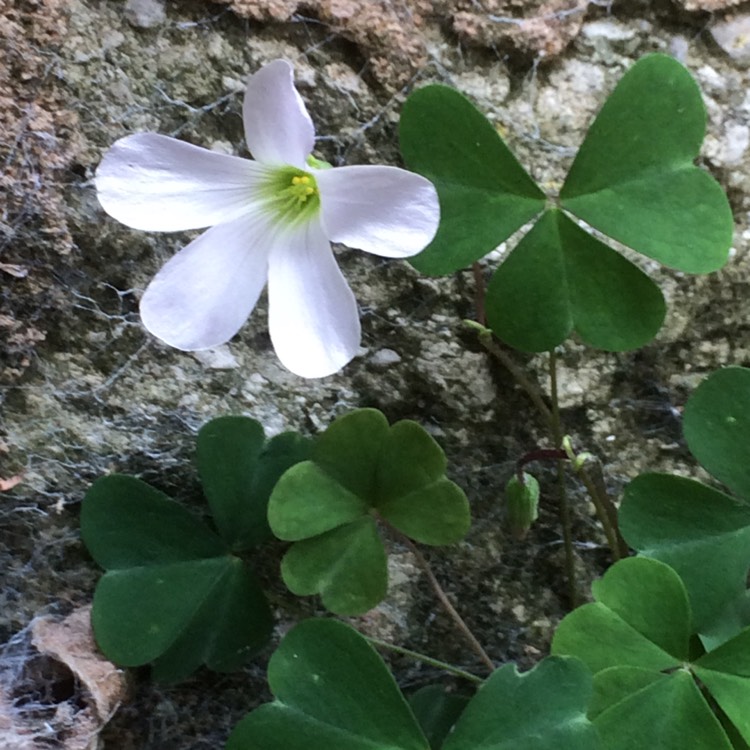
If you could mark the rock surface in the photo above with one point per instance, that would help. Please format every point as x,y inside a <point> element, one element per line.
<point>85,391</point>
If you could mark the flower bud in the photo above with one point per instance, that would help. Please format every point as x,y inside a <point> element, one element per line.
<point>522,504</point>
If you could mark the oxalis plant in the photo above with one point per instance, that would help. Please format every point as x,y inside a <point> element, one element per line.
<point>659,655</point>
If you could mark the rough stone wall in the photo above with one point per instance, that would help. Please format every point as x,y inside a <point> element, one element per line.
<point>84,390</point>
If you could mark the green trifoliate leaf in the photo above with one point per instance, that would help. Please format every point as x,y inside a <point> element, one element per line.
<point>361,468</point>
<point>559,279</point>
<point>634,178</point>
<point>485,194</point>
<point>636,639</point>
<point>332,692</point>
<point>172,594</point>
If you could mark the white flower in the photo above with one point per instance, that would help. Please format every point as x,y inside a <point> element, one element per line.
<point>271,220</point>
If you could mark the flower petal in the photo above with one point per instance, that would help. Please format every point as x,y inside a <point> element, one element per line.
<point>157,183</point>
<point>278,129</point>
<point>202,296</point>
<point>312,313</point>
<point>383,210</point>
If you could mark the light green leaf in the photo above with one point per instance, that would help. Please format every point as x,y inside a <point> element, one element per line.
<point>360,469</point>
<point>308,501</point>
<point>346,566</point>
<point>614,684</point>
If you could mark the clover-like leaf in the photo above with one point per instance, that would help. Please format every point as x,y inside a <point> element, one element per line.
<point>635,638</point>
<point>559,279</point>
<point>669,714</point>
<point>361,468</point>
<point>634,179</point>
<point>332,692</point>
<point>700,532</point>
<point>238,470</point>
<point>542,709</point>
<point>172,594</point>
<point>485,194</point>
<point>641,618</point>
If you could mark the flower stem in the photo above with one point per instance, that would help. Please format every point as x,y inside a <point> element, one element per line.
<point>605,508</point>
<point>443,598</point>
<point>426,659</point>
<point>487,341</point>
<point>479,289</point>
<point>564,508</point>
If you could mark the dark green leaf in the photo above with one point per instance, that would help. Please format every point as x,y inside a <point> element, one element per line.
<point>559,278</point>
<point>634,179</point>
<point>126,523</point>
<point>437,711</point>
<point>668,714</point>
<point>172,592</point>
<point>726,673</point>
<point>238,470</point>
<point>641,619</point>
<point>542,709</point>
<point>702,533</point>
<point>332,692</point>
<point>233,624</point>
<point>717,427</point>
<point>485,194</point>
<point>227,459</point>
<point>209,611</point>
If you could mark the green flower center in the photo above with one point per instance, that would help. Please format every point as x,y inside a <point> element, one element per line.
<point>292,194</point>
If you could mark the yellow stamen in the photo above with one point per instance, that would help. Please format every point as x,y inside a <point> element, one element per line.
<point>301,188</point>
<point>293,193</point>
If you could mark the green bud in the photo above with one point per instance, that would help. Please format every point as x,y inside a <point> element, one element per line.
<point>522,504</point>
